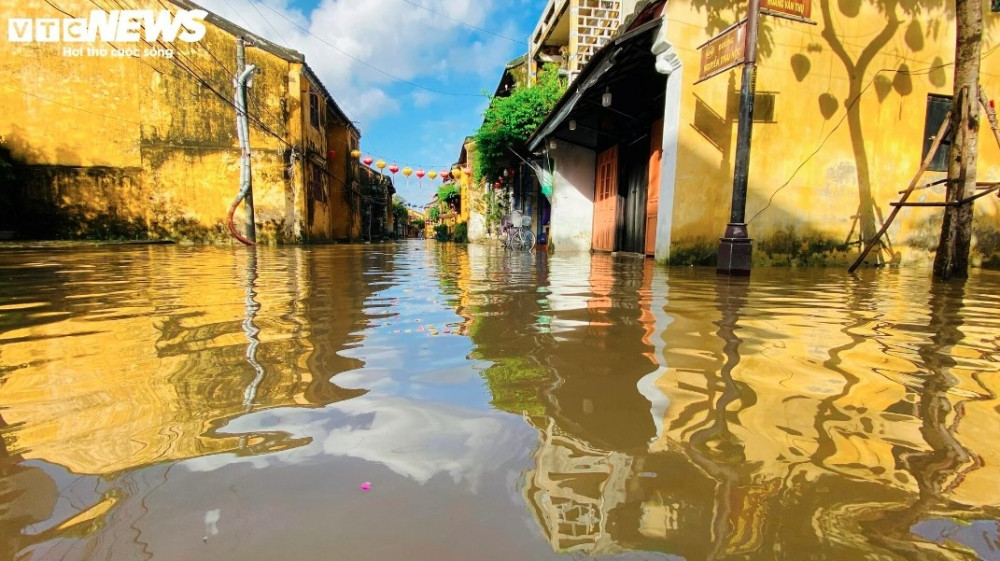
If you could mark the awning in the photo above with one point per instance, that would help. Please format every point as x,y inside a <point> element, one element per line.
<point>624,67</point>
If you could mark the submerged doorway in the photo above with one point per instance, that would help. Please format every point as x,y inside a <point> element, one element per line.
<point>633,183</point>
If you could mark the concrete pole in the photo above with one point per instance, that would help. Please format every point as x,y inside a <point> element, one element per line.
<point>736,247</point>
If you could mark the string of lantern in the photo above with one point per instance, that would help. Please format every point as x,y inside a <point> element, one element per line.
<point>455,173</point>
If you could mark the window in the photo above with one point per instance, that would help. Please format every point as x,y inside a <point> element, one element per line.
<point>314,109</point>
<point>937,107</point>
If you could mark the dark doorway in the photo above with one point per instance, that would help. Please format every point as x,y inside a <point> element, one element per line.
<point>633,183</point>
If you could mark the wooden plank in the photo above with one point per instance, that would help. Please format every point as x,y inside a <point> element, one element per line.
<point>892,215</point>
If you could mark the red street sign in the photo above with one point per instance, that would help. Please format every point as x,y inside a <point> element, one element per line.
<point>793,9</point>
<point>723,51</point>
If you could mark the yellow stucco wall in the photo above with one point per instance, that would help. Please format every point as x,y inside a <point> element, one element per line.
<point>345,211</point>
<point>168,125</point>
<point>804,193</point>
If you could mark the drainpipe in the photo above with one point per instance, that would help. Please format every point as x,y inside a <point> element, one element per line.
<point>242,82</point>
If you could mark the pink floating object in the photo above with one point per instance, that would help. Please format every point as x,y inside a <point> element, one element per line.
<point>366,485</point>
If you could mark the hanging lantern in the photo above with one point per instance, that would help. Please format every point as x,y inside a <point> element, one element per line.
<point>380,164</point>
<point>393,168</point>
<point>367,160</point>
<point>420,177</point>
<point>456,172</point>
<point>407,171</point>
<point>355,153</point>
<point>467,171</point>
<point>432,174</point>
<point>444,175</point>
<point>330,154</point>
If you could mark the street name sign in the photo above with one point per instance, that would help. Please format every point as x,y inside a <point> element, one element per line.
<point>724,51</point>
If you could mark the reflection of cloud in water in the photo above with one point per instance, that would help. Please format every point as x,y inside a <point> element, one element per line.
<point>415,439</point>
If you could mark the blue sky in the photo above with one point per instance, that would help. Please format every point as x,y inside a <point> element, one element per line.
<point>410,73</point>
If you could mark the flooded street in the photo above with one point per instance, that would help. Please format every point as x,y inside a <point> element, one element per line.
<point>172,403</point>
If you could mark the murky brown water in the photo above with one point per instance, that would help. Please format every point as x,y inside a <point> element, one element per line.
<point>175,403</point>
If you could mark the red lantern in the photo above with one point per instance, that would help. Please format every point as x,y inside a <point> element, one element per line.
<point>331,154</point>
<point>444,175</point>
<point>420,174</point>
<point>367,160</point>
<point>393,168</point>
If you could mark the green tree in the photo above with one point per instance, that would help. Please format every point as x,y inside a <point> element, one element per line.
<point>448,194</point>
<point>509,122</point>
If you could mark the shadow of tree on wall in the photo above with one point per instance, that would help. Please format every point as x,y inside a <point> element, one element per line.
<point>857,65</point>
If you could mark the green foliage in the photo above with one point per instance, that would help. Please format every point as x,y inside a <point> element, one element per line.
<point>441,232</point>
<point>510,121</point>
<point>399,212</point>
<point>449,193</point>
<point>433,213</point>
<point>496,206</point>
<point>514,383</point>
<point>461,233</point>
<point>420,223</point>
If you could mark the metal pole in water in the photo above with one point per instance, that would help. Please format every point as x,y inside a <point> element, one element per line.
<point>736,247</point>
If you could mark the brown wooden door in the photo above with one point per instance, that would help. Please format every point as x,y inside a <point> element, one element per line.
<point>605,200</point>
<point>653,196</point>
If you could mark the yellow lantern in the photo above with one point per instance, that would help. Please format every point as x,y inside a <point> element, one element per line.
<point>456,173</point>
<point>380,164</point>
<point>407,171</point>
<point>432,174</point>
<point>355,153</point>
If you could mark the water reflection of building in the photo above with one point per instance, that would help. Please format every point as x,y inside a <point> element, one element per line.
<point>145,372</point>
<point>831,429</point>
<point>573,490</point>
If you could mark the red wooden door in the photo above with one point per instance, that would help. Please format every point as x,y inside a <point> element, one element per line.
<point>653,192</point>
<point>605,200</point>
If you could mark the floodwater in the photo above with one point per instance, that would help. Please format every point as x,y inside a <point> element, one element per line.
<point>179,403</point>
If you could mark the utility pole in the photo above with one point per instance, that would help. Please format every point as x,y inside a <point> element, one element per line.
<point>736,247</point>
<point>243,76</point>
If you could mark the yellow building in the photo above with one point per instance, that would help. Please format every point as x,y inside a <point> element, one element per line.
<point>130,131</point>
<point>644,139</point>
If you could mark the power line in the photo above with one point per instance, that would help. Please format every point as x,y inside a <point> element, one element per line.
<point>847,110</point>
<point>54,102</point>
<point>275,29</point>
<point>495,34</point>
<point>368,64</point>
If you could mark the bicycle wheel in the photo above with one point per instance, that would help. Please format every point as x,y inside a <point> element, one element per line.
<point>507,239</point>
<point>527,240</point>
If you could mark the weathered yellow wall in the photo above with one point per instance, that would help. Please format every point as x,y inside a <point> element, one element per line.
<point>149,120</point>
<point>344,212</point>
<point>804,181</point>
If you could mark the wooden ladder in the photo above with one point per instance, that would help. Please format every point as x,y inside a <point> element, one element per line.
<point>986,188</point>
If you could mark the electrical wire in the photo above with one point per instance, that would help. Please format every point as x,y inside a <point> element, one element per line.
<point>518,41</point>
<point>370,65</point>
<point>847,110</point>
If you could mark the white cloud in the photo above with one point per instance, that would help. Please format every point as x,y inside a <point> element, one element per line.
<point>360,48</point>
<point>415,439</point>
<point>422,98</point>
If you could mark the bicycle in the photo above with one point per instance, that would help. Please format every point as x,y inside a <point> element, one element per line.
<point>516,232</point>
